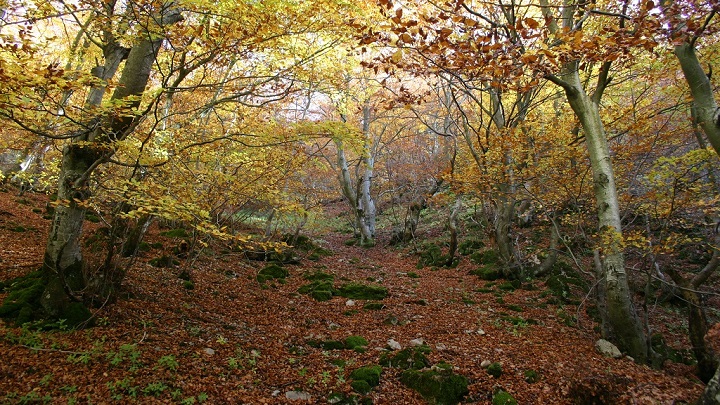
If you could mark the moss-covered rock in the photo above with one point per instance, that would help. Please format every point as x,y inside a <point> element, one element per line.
<point>23,297</point>
<point>408,358</point>
<point>531,376</point>
<point>495,370</point>
<point>76,314</point>
<point>487,272</point>
<point>440,385</point>
<point>431,255</point>
<point>486,257</point>
<point>326,344</point>
<point>302,243</point>
<point>272,272</point>
<point>469,246</point>
<point>359,291</point>
<point>364,378</point>
<point>319,290</point>
<point>357,343</point>
<point>503,398</point>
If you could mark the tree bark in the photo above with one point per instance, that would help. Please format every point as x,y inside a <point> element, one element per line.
<point>705,108</point>
<point>711,396</point>
<point>63,262</point>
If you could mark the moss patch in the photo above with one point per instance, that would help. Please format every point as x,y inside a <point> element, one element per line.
<point>319,290</point>
<point>23,297</point>
<point>359,291</point>
<point>408,358</point>
<point>175,233</point>
<point>163,261</point>
<point>469,246</point>
<point>503,398</point>
<point>364,378</point>
<point>495,370</point>
<point>485,257</point>
<point>272,272</point>
<point>487,272</point>
<point>439,385</point>
<point>357,343</point>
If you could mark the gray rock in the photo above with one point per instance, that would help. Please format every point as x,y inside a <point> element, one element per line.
<point>209,351</point>
<point>297,396</point>
<point>417,342</point>
<point>393,344</point>
<point>485,363</point>
<point>607,349</point>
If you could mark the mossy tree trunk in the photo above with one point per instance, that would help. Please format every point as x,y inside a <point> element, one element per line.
<point>621,324</point>
<point>63,261</point>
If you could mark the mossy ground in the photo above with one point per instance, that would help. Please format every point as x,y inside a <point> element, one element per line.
<point>440,385</point>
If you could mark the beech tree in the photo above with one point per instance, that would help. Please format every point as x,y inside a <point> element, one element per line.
<point>162,52</point>
<point>475,39</point>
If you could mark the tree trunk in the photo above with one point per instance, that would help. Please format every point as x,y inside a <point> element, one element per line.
<point>622,324</point>
<point>705,108</point>
<point>711,396</point>
<point>63,263</point>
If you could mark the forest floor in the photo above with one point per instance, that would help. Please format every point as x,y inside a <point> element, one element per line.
<point>232,340</point>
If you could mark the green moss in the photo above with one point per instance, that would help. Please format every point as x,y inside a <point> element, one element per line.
<point>510,285</point>
<point>373,306</point>
<point>486,272</point>
<point>356,343</point>
<point>362,292</point>
<point>361,386</point>
<point>92,218</point>
<point>485,257</point>
<point>271,272</point>
<point>431,255</point>
<point>76,314</point>
<point>368,374</point>
<point>189,285</point>
<point>495,370</point>
<point>351,242</point>
<point>175,233</point>
<point>23,297</point>
<point>319,290</point>
<point>503,398</point>
<point>408,358</point>
<point>163,261</point>
<point>438,386</point>
<point>144,247</point>
<point>469,246</point>
<point>531,376</point>
<point>413,275</point>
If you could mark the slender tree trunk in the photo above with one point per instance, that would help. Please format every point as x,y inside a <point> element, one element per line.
<point>706,111</point>
<point>621,322</point>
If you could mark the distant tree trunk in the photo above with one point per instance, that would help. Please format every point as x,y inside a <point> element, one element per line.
<point>453,227</point>
<point>63,262</point>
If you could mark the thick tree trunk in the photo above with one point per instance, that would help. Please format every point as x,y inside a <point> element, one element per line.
<point>711,396</point>
<point>622,324</point>
<point>63,263</point>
